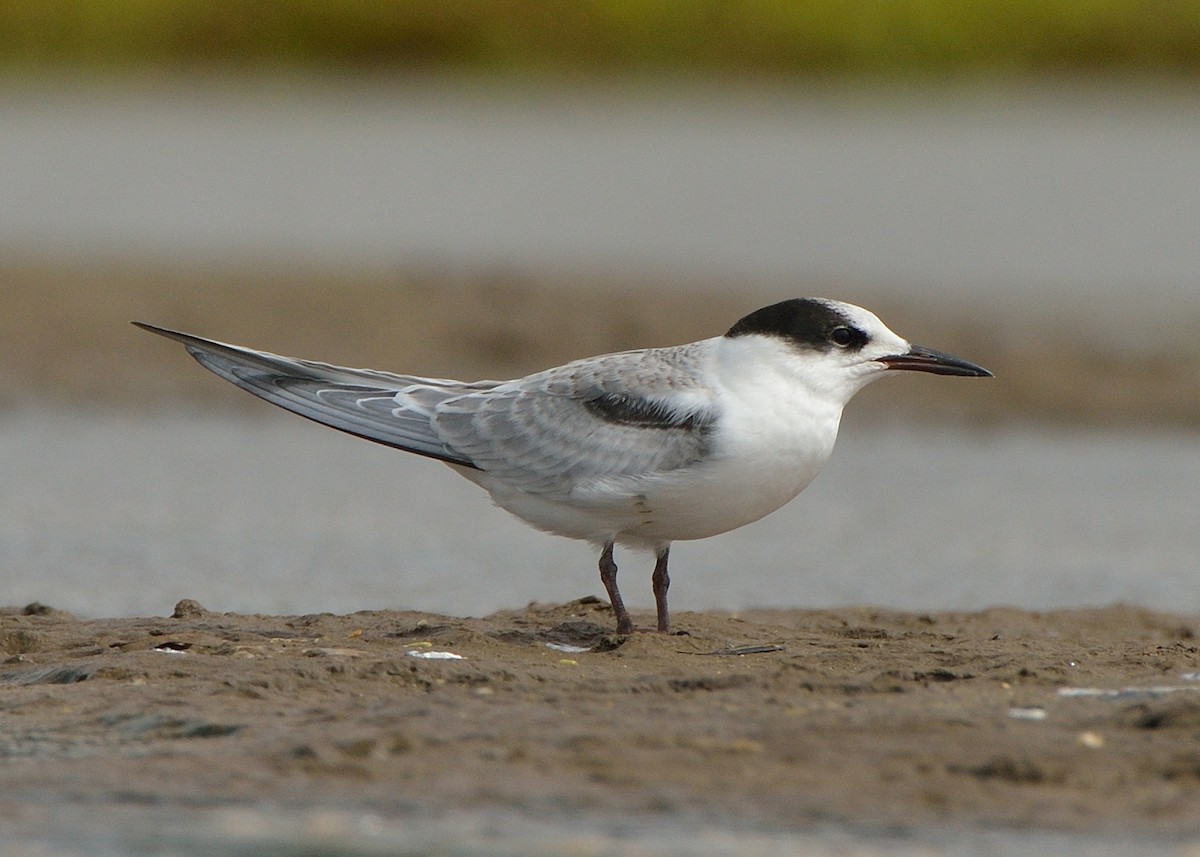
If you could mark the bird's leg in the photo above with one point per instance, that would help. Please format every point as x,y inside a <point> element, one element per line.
<point>608,576</point>
<point>662,582</point>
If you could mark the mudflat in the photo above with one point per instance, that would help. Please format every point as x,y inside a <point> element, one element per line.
<point>1074,720</point>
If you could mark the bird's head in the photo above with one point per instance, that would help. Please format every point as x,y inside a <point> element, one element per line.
<point>840,348</point>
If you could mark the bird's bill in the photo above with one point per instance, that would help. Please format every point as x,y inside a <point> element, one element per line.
<point>921,359</point>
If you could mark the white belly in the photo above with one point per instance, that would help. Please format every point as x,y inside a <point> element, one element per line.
<point>750,473</point>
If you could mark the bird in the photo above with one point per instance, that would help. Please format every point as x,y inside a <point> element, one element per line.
<point>640,448</point>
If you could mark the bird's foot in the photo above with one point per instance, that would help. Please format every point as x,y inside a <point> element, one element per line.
<point>637,629</point>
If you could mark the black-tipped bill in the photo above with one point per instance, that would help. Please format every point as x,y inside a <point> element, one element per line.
<point>921,359</point>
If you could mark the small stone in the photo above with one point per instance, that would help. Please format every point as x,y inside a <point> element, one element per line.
<point>188,609</point>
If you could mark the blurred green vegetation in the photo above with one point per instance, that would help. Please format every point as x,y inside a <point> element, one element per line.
<point>741,37</point>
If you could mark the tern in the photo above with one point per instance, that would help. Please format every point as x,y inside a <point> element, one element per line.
<point>641,448</point>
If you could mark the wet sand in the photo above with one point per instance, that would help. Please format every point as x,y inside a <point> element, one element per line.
<point>1081,721</point>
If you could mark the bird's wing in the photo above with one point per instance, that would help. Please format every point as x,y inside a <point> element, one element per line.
<point>569,430</point>
<point>585,427</point>
<point>395,410</point>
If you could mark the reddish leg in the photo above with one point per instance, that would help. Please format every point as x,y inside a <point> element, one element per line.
<point>662,582</point>
<point>608,576</point>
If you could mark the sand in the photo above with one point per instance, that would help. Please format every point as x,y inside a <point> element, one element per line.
<point>1083,720</point>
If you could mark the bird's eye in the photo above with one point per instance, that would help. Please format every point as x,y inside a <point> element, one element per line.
<point>841,336</point>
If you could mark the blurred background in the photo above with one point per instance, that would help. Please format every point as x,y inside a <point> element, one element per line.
<point>490,188</point>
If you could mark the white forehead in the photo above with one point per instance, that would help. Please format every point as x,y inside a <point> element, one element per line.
<point>859,317</point>
<point>883,339</point>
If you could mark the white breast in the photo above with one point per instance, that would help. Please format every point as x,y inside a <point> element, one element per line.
<point>773,436</point>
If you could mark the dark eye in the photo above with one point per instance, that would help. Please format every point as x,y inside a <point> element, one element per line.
<point>841,336</point>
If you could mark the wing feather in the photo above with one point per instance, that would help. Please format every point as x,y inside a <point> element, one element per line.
<point>570,431</point>
<point>394,410</point>
<point>633,415</point>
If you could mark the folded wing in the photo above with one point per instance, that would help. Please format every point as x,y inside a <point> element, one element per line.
<point>567,431</point>
<point>583,427</point>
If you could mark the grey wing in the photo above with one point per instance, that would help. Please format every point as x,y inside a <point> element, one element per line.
<point>395,410</point>
<point>587,425</point>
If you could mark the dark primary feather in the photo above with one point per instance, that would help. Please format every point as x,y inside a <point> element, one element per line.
<point>350,400</point>
<point>629,410</point>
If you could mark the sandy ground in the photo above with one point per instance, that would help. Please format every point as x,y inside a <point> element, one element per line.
<point>1080,720</point>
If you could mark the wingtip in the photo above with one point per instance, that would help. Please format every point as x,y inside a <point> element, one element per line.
<point>177,335</point>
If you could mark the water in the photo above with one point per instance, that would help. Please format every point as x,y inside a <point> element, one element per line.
<point>1030,191</point>
<point>119,514</point>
